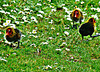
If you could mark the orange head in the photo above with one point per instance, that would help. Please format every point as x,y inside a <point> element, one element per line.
<point>9,32</point>
<point>76,13</point>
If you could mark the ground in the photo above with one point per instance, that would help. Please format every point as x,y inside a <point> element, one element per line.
<point>48,41</point>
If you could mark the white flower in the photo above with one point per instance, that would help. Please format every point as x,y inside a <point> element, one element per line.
<point>5,24</point>
<point>12,25</point>
<point>93,8</point>
<point>49,0</point>
<point>1,8</point>
<point>67,49</point>
<point>7,12</point>
<point>3,59</point>
<point>51,6</point>
<point>31,10</point>
<point>95,16</point>
<point>44,43</point>
<point>33,45</point>
<point>39,4</point>
<point>8,21</point>
<point>14,53</point>
<point>39,15</point>
<point>26,20</point>
<point>76,0</point>
<point>35,36</point>
<point>69,19</point>
<point>21,12</point>
<point>5,5</point>
<point>66,32</point>
<point>63,5</point>
<point>82,2</point>
<point>78,9</point>
<point>26,9</point>
<point>2,11</point>
<point>27,12</point>
<point>52,28</point>
<point>51,22</point>
<point>53,10</point>
<point>13,17</point>
<point>50,38</point>
<point>98,9</point>
<point>72,57</point>
<point>64,43</point>
<point>0,33</point>
<point>17,22</point>
<point>57,33</point>
<point>22,35</point>
<point>34,32</point>
<point>32,18</point>
<point>1,26</point>
<point>99,2</point>
<point>64,8</point>
<point>24,17</point>
<point>58,49</point>
<point>41,12</point>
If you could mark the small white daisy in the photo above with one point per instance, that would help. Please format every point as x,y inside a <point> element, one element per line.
<point>5,24</point>
<point>39,15</point>
<point>17,22</point>
<point>82,2</point>
<point>58,49</point>
<point>67,49</point>
<point>66,33</point>
<point>34,32</point>
<point>8,21</point>
<point>41,12</point>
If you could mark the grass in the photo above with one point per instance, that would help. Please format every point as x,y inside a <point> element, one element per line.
<point>83,55</point>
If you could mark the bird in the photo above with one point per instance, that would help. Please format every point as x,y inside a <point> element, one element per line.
<point>88,28</point>
<point>76,15</point>
<point>13,35</point>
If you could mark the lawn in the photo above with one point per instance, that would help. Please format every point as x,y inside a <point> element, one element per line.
<point>48,41</point>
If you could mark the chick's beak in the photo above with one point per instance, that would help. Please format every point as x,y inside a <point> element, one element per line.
<point>94,21</point>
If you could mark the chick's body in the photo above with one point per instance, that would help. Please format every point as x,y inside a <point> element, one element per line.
<point>87,28</point>
<point>14,38</point>
<point>13,35</point>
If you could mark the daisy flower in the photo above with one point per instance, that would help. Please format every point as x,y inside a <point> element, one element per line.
<point>24,17</point>
<point>8,21</point>
<point>5,5</point>
<point>34,32</point>
<point>5,24</point>
<point>58,49</point>
<point>26,9</point>
<point>39,15</point>
<point>66,33</point>
<point>67,49</point>
<point>95,16</point>
<point>44,43</point>
<point>53,10</point>
<point>41,12</point>
<point>98,9</point>
<point>38,4</point>
<point>17,22</point>
<point>82,2</point>
<point>52,28</point>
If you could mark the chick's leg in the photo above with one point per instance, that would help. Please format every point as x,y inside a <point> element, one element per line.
<point>18,44</point>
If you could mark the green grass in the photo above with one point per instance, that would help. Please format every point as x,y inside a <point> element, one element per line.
<point>83,55</point>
